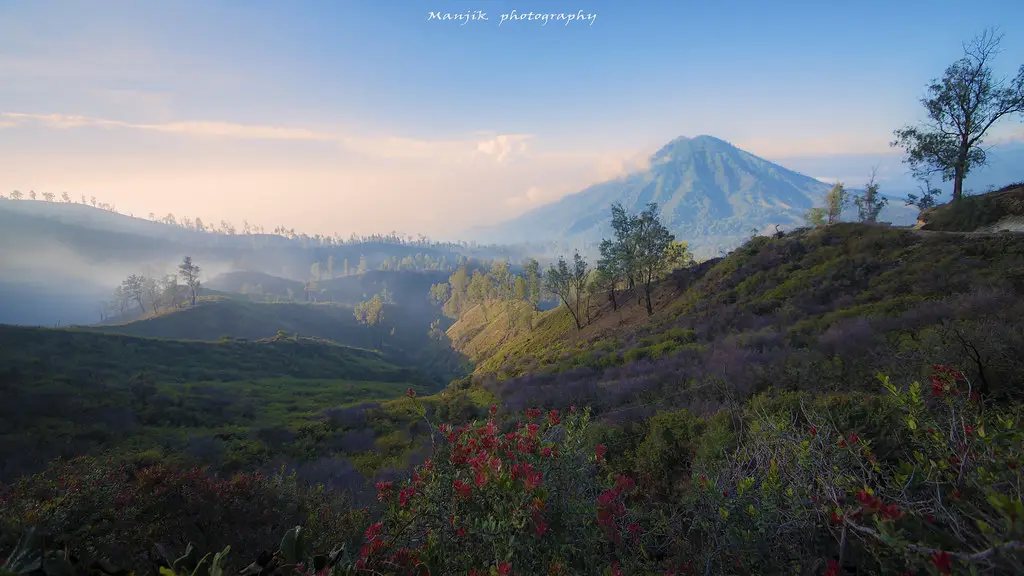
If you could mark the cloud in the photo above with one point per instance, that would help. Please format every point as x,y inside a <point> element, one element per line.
<point>499,147</point>
<point>503,146</point>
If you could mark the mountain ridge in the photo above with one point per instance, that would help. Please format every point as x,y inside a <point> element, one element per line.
<point>710,193</point>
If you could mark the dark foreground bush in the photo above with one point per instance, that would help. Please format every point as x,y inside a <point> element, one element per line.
<point>916,480</point>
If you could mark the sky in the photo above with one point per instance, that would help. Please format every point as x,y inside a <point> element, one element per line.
<point>334,116</point>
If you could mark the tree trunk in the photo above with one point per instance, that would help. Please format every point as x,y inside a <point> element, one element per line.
<point>958,182</point>
<point>647,295</point>
<point>611,296</point>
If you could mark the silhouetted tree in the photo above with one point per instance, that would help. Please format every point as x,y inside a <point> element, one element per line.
<point>961,107</point>
<point>189,272</point>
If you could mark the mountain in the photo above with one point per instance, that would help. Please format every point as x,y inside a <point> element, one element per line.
<point>711,194</point>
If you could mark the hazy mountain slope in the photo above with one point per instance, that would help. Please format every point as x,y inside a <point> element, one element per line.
<point>705,187</point>
<point>711,194</point>
<point>405,287</point>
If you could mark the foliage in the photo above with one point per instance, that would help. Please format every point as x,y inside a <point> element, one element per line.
<point>836,199</point>
<point>871,203</point>
<point>961,107</point>
<point>569,284</point>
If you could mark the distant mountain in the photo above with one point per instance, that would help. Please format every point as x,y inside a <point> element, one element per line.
<point>710,193</point>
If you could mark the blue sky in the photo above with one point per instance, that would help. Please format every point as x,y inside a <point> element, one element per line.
<point>362,115</point>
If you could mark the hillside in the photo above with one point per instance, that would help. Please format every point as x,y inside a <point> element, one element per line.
<point>404,330</point>
<point>69,393</point>
<point>60,260</point>
<point>806,311</point>
<point>405,287</point>
<point>1001,209</point>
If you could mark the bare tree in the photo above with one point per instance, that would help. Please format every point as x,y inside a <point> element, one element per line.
<point>961,106</point>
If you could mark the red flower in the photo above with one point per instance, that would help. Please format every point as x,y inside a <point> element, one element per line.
<point>411,393</point>
<point>462,489</point>
<point>833,569</point>
<point>842,443</point>
<point>943,562</point>
<point>956,494</point>
<point>542,527</point>
<point>725,493</point>
<point>554,418</point>
<point>599,451</point>
<point>383,490</point>
<point>460,532</point>
<point>374,530</point>
<point>504,569</point>
<point>634,529</point>
<point>405,495</point>
<point>545,452</point>
<point>854,438</point>
<point>813,431</point>
<point>969,430</point>
<point>572,409</point>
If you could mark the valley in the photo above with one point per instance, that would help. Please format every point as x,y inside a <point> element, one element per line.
<point>616,344</point>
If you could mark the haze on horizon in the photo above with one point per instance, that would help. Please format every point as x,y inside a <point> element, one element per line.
<point>356,117</point>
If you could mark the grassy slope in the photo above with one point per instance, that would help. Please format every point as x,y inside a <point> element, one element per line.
<point>85,354</point>
<point>797,286</point>
<point>409,346</point>
<point>71,392</point>
<point>976,212</point>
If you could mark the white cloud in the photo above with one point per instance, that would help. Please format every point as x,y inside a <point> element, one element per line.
<point>500,147</point>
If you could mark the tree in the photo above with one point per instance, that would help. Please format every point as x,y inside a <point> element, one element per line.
<point>330,266</point>
<point>133,288</point>
<point>189,272</point>
<point>362,265</point>
<point>65,197</point>
<point>440,293</point>
<point>371,313</point>
<point>569,285</point>
<point>170,290</point>
<point>16,195</point>
<point>835,201</point>
<point>870,204</point>
<point>927,198</point>
<point>48,196</point>
<point>815,217</point>
<point>479,289</point>
<point>961,108</point>
<point>625,243</point>
<point>534,281</point>
<point>199,225</point>
<point>654,254</point>
<point>608,272</point>
<point>32,194</point>
<point>314,271</point>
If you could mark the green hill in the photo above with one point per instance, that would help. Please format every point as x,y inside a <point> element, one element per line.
<point>808,310</point>
<point>405,333</point>
<point>71,392</point>
<point>1001,209</point>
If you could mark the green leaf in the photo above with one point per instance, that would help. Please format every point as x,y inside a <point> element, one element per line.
<point>293,545</point>
<point>911,423</point>
<point>984,527</point>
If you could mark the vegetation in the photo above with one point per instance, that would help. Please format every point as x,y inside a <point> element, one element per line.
<point>844,398</point>
<point>962,106</point>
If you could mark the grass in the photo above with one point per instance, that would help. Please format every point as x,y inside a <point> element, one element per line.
<point>404,330</point>
<point>801,284</point>
<point>974,212</point>
<point>81,354</point>
<point>233,403</point>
